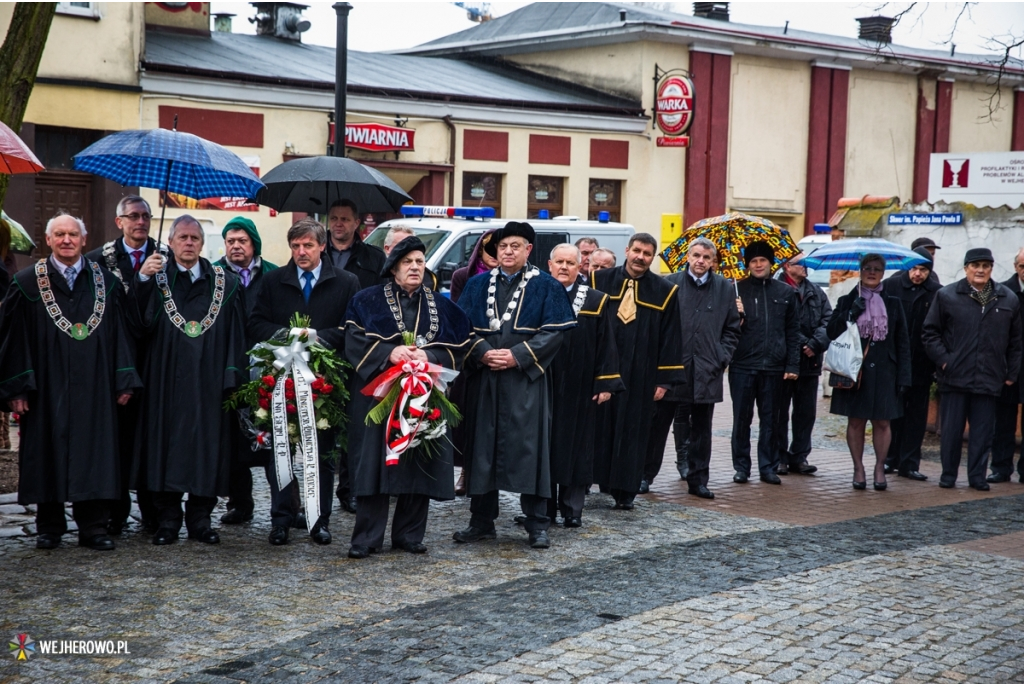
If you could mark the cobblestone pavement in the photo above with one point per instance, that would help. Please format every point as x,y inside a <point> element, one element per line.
<point>799,582</point>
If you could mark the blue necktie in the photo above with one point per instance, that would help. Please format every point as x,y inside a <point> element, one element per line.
<point>69,275</point>
<point>307,288</point>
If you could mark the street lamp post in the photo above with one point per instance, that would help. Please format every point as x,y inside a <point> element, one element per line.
<point>341,77</point>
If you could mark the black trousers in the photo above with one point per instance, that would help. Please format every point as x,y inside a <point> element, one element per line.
<point>283,503</point>
<point>91,516</point>
<point>407,527</point>
<point>957,409</point>
<point>484,510</point>
<point>197,511</point>
<point>567,499</point>
<point>664,414</point>
<point>127,420</point>
<point>908,431</point>
<point>240,488</point>
<point>748,389</point>
<point>1004,441</point>
<point>802,396</point>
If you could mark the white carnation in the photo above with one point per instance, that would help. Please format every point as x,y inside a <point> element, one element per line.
<point>262,413</point>
<point>322,424</point>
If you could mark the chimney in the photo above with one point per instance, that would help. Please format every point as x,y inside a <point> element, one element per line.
<point>280,19</point>
<point>711,10</point>
<point>875,29</point>
<point>222,22</point>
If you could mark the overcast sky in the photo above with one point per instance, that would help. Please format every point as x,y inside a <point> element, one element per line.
<point>379,26</point>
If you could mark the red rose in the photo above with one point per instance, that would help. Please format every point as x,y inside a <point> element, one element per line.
<point>289,394</point>
<point>315,396</point>
<point>435,414</point>
<point>317,384</point>
<point>269,381</point>
<point>264,403</point>
<point>327,389</point>
<point>289,384</point>
<point>291,409</point>
<point>262,391</point>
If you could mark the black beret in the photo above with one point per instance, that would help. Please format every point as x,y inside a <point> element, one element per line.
<point>512,228</point>
<point>407,245</point>
<point>923,252</point>
<point>758,248</point>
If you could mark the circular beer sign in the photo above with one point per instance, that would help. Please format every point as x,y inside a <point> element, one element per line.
<point>675,104</point>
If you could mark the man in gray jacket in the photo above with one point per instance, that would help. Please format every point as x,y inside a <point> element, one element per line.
<point>973,334</point>
<point>710,331</point>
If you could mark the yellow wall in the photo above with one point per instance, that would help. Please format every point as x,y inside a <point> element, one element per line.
<point>105,50</point>
<point>768,137</point>
<point>93,108</point>
<point>617,69</point>
<point>880,134</point>
<point>971,128</point>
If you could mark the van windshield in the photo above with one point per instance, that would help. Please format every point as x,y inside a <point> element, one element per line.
<point>431,237</point>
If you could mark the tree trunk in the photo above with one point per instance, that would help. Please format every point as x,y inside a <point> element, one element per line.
<point>19,61</point>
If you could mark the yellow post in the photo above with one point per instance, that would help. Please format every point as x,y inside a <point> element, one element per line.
<point>671,228</point>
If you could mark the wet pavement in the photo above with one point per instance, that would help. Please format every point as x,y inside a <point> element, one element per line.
<point>806,581</point>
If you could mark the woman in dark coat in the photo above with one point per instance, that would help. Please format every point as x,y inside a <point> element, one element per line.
<point>479,262</point>
<point>885,373</point>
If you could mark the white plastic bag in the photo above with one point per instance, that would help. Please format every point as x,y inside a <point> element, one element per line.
<point>845,354</point>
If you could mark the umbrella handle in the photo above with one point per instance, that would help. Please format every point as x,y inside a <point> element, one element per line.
<point>163,204</point>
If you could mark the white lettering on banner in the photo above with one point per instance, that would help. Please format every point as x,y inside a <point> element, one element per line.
<point>379,138</point>
<point>86,647</point>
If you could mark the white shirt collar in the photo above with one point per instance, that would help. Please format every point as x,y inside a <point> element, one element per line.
<point>700,280</point>
<point>253,265</point>
<point>129,249</point>
<point>61,267</point>
<point>315,272</point>
<point>196,269</point>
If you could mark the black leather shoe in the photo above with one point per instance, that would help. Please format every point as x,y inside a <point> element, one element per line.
<point>519,519</point>
<point>100,543</point>
<point>349,504</point>
<point>944,484</point>
<point>998,478</point>
<point>881,486</point>
<point>645,487</point>
<point>782,470</point>
<point>411,547</point>
<point>236,516</point>
<point>624,506</point>
<point>47,541</point>
<point>983,486</point>
<point>279,535</point>
<point>573,522</point>
<point>890,469</point>
<point>359,552</point>
<point>322,536</point>
<point>913,475</point>
<point>299,522</point>
<point>207,535</point>
<point>803,468</point>
<point>474,534</point>
<point>683,469</point>
<point>114,528</point>
<point>539,540</point>
<point>702,492</point>
<point>165,536</point>
<point>771,478</point>
<point>740,477</point>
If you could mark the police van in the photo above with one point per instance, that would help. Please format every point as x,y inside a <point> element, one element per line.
<point>451,233</point>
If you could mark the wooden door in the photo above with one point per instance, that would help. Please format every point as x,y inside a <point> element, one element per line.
<point>57,191</point>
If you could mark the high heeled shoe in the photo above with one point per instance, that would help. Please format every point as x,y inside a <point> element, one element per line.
<point>860,485</point>
<point>881,486</point>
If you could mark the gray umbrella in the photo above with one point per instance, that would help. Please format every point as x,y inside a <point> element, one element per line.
<point>312,184</point>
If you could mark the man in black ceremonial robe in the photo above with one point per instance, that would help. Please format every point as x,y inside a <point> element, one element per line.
<point>310,285</point>
<point>647,332</point>
<point>123,257</point>
<point>376,320</point>
<point>519,315</point>
<point>190,314</point>
<point>585,373</point>
<point>67,365</point>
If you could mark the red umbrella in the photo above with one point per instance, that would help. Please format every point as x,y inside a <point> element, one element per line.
<point>15,157</point>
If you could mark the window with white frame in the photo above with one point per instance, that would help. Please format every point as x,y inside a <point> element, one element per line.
<point>89,10</point>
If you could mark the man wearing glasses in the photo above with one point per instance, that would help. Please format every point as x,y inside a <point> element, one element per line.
<point>123,256</point>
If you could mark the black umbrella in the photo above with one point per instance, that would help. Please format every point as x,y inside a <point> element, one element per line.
<point>312,184</point>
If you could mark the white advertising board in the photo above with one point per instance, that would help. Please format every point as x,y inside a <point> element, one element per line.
<point>983,179</point>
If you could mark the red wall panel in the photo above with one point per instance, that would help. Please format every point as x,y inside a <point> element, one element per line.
<point>838,103</point>
<point>943,113</point>
<point>924,142</point>
<point>707,156</point>
<point>487,145</point>
<point>818,144</point>
<point>1017,137</point>
<point>242,129</point>
<point>550,149</point>
<point>609,154</point>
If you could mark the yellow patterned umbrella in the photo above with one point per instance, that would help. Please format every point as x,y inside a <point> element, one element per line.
<point>731,233</point>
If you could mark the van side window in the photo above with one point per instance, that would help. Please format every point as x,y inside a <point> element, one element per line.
<point>542,246</point>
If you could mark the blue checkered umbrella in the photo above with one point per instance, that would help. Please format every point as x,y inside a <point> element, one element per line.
<point>170,161</point>
<point>845,254</point>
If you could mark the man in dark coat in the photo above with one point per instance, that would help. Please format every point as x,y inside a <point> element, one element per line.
<point>813,313</point>
<point>586,374</point>
<point>768,353</point>
<point>519,315</point>
<point>346,250</point>
<point>190,315</point>
<point>915,289</point>
<point>243,248</point>
<point>67,364</point>
<point>376,321</point>
<point>309,285</point>
<point>123,257</point>
<point>1004,442</point>
<point>645,318</point>
<point>709,333</point>
<point>973,334</point>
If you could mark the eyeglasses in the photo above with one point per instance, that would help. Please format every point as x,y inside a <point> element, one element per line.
<point>136,217</point>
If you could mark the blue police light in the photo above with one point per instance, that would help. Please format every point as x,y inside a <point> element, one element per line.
<point>543,214</point>
<point>448,212</point>
<point>604,217</point>
<point>822,228</point>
